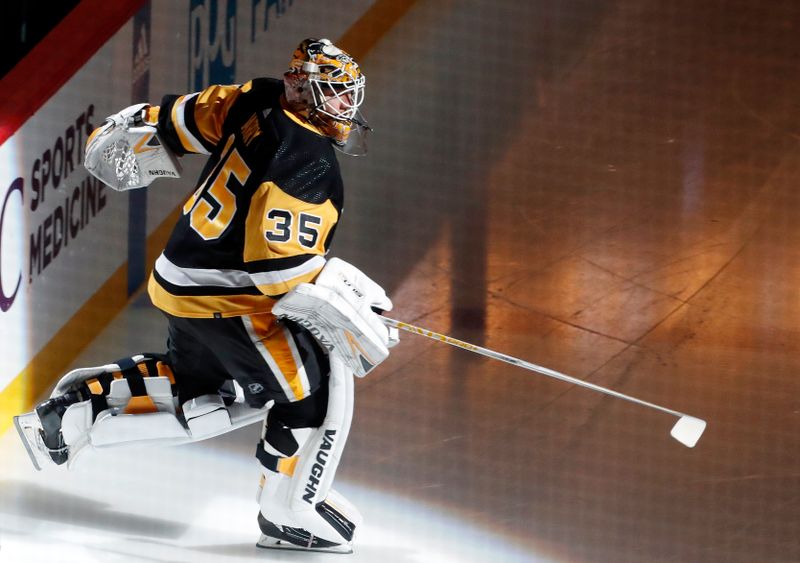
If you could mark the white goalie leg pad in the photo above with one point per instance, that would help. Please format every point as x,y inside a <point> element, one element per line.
<point>31,428</point>
<point>119,425</point>
<point>203,418</point>
<point>73,428</point>
<point>337,311</point>
<point>166,429</point>
<point>116,427</point>
<point>208,417</point>
<point>306,500</point>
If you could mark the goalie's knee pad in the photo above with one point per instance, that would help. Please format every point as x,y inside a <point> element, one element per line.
<point>296,495</point>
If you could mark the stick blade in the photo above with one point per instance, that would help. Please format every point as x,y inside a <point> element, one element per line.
<point>688,430</point>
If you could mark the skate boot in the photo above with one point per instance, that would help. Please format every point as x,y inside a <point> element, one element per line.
<point>295,539</point>
<point>40,430</point>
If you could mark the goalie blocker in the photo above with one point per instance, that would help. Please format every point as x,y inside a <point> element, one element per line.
<point>338,310</point>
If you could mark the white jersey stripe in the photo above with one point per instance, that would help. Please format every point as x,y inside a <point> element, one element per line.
<point>273,365</point>
<point>283,276</point>
<point>180,123</point>
<point>193,277</point>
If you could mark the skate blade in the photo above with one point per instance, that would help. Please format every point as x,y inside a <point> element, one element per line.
<point>28,427</point>
<point>268,542</point>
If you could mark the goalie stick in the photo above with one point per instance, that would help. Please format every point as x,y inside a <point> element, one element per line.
<point>687,430</point>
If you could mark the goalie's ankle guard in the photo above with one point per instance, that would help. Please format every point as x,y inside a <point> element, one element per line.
<point>50,414</point>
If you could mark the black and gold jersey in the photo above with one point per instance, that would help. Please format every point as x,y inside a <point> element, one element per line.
<point>265,207</point>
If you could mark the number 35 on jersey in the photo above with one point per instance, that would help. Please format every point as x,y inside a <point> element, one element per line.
<point>278,225</point>
<point>286,226</point>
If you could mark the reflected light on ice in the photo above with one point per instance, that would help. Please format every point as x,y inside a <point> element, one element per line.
<point>77,517</point>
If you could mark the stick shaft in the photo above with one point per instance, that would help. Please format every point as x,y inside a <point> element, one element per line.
<point>523,364</point>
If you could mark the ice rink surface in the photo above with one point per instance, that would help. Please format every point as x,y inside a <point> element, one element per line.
<point>608,189</point>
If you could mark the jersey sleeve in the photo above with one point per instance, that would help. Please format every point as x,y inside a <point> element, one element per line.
<point>286,239</point>
<point>193,123</point>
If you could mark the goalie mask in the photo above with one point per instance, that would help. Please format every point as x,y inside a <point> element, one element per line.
<point>325,85</point>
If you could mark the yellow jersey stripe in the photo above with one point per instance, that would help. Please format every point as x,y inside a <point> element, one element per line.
<point>261,328</point>
<point>283,286</point>
<point>275,337</point>
<point>207,306</point>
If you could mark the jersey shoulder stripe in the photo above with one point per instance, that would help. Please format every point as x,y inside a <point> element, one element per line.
<point>177,127</point>
<point>196,123</point>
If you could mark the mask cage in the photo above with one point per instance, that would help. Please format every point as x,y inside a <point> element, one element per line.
<point>349,95</point>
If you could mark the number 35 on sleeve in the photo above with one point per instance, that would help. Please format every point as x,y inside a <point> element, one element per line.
<point>279,225</point>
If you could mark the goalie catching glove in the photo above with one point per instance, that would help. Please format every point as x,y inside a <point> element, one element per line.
<point>338,310</point>
<point>126,151</point>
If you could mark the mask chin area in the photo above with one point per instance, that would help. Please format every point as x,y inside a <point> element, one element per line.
<point>356,143</point>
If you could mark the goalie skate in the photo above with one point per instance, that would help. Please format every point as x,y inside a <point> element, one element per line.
<point>295,539</point>
<point>29,428</point>
<point>40,431</point>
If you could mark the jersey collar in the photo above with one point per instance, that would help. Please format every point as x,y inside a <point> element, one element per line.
<point>299,119</point>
